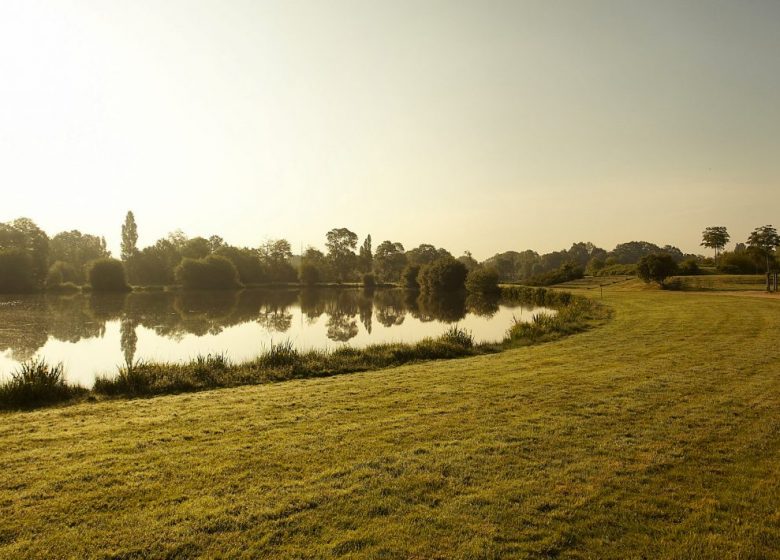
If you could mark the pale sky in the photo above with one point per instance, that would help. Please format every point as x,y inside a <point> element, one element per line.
<point>479,125</point>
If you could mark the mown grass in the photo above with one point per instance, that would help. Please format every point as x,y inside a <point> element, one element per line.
<point>282,362</point>
<point>654,436</point>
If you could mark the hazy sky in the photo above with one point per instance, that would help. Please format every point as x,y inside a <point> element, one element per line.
<point>479,125</point>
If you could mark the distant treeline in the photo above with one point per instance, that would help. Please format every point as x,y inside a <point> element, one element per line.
<point>30,260</point>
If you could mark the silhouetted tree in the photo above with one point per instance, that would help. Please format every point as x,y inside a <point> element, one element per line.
<point>73,250</point>
<point>764,240</point>
<point>275,255</point>
<point>210,273</point>
<point>341,244</point>
<point>715,237</point>
<point>129,245</point>
<point>442,275</point>
<point>16,271</point>
<point>365,257</point>
<point>107,275</point>
<point>389,261</point>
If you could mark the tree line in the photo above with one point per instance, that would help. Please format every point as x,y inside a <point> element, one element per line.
<point>32,261</point>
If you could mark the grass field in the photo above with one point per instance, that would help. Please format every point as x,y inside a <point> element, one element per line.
<point>654,436</point>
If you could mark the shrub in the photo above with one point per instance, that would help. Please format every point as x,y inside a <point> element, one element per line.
<point>689,268</point>
<point>107,275</point>
<point>459,337</point>
<point>210,273</point>
<point>369,282</point>
<point>482,281</point>
<point>37,383</point>
<point>443,275</point>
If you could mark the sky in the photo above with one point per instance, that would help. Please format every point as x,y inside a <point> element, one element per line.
<point>484,126</point>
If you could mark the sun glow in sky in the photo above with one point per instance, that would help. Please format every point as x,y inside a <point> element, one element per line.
<point>482,126</point>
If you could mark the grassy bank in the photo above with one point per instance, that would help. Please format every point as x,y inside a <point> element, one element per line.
<point>654,436</point>
<point>283,362</point>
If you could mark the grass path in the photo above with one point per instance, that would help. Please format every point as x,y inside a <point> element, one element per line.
<point>655,436</point>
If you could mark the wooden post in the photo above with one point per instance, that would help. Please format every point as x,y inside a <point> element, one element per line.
<point>768,282</point>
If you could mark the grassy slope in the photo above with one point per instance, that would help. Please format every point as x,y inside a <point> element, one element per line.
<point>655,436</point>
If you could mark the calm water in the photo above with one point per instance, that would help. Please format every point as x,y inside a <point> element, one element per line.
<point>93,334</point>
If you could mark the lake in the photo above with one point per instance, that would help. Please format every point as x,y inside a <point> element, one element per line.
<point>93,334</point>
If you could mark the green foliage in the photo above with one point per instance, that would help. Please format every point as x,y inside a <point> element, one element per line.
<point>107,275</point>
<point>426,254</point>
<point>443,275</point>
<point>36,383</point>
<point>689,267</point>
<point>24,235</point>
<point>715,237</point>
<point>409,277</point>
<point>129,246</point>
<point>389,261</point>
<point>656,268</point>
<point>309,274</point>
<point>765,240</point>
<point>742,262</point>
<point>71,251</point>
<point>565,273</point>
<point>17,274</point>
<point>341,244</point>
<point>275,256</point>
<point>482,281</point>
<point>210,273</point>
<point>251,269</point>
<point>365,257</point>
<point>616,270</point>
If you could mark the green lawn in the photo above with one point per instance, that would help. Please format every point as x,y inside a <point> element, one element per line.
<point>654,436</point>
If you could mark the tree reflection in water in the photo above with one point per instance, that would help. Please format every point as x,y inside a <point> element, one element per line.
<point>27,322</point>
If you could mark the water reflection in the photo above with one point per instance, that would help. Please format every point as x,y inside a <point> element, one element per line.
<point>310,317</point>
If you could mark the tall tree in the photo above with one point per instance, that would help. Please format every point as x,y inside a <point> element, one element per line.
<point>365,256</point>
<point>129,238</point>
<point>765,240</point>
<point>341,244</point>
<point>715,237</point>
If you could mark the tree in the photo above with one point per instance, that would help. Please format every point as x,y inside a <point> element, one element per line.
<point>16,271</point>
<point>389,261</point>
<point>108,275</point>
<point>765,240</point>
<point>73,250</point>
<point>442,275</point>
<point>482,281</point>
<point>656,267</point>
<point>365,257</point>
<point>129,247</point>
<point>469,261</point>
<point>341,244</point>
<point>275,255</point>
<point>715,237</point>
<point>209,273</point>
<point>23,234</point>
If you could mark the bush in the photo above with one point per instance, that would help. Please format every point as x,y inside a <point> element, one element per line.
<point>564,273</point>
<point>36,383</point>
<point>369,282</point>
<point>656,267</point>
<point>689,268</point>
<point>209,273</point>
<point>737,263</point>
<point>482,281</point>
<point>442,275</point>
<point>107,275</point>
